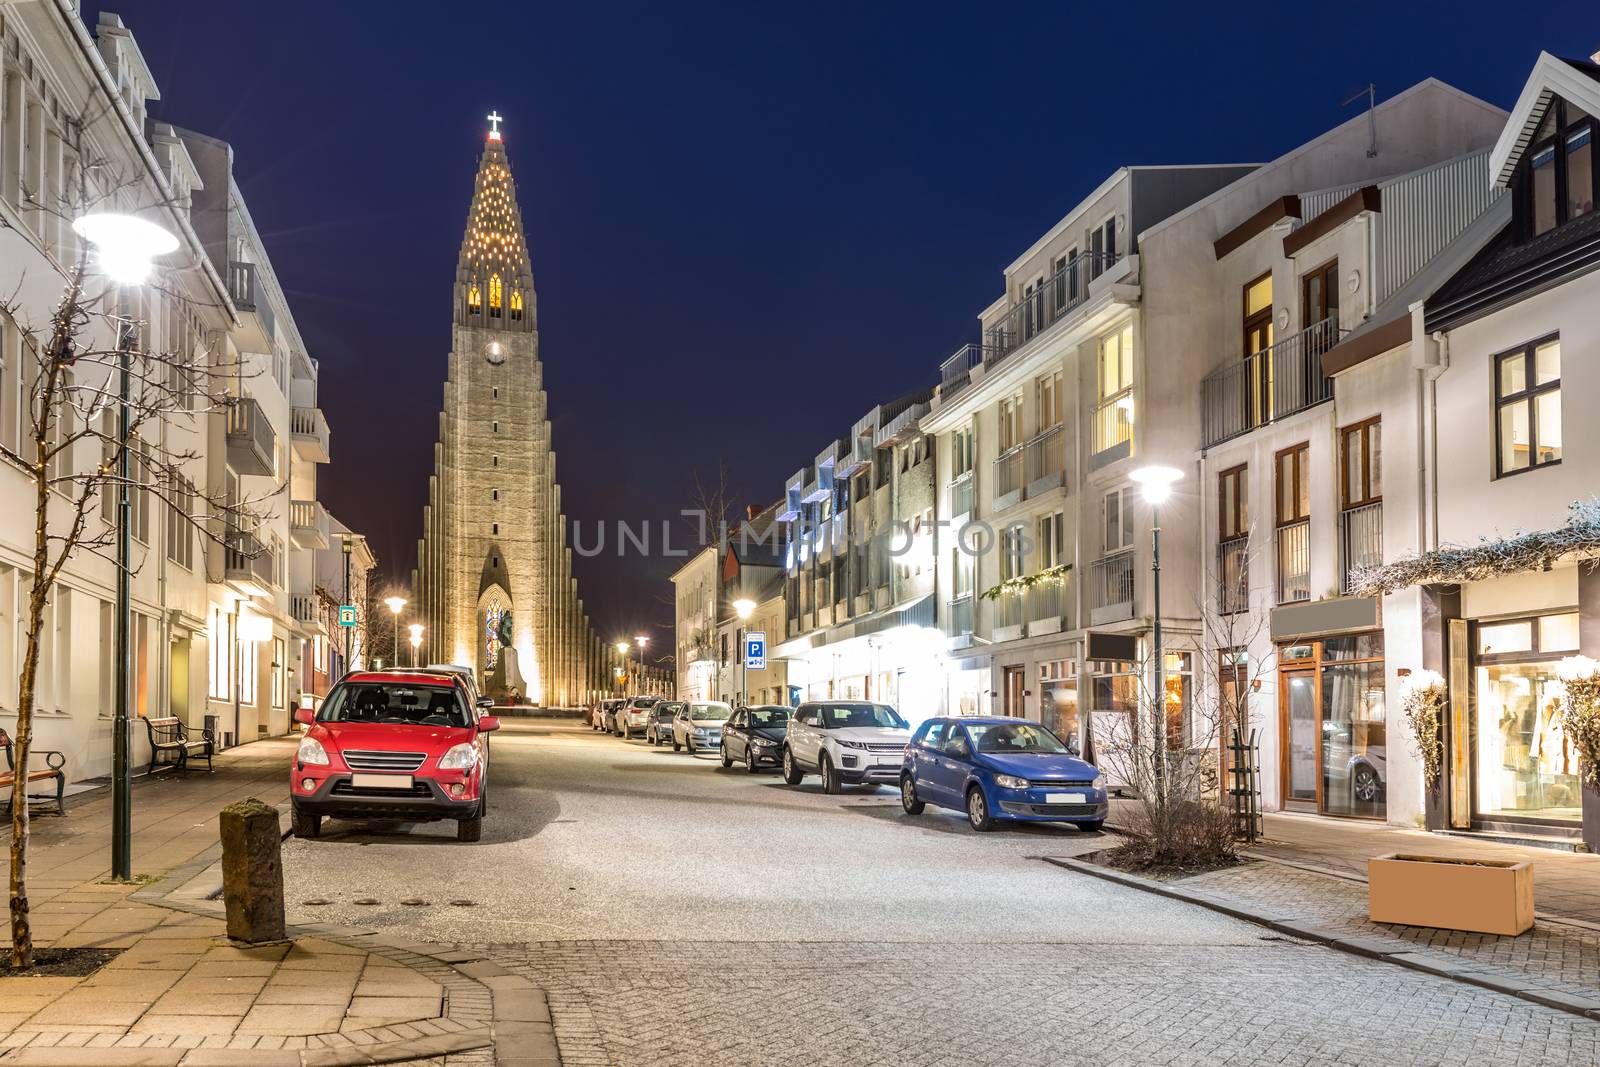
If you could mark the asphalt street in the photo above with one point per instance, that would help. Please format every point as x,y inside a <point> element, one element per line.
<point>680,913</point>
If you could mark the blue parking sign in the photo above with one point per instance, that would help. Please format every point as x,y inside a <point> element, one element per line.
<point>755,650</point>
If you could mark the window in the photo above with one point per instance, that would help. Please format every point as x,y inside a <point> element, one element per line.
<point>280,680</point>
<point>516,304</point>
<point>1361,463</point>
<point>180,533</point>
<point>1319,295</point>
<point>1293,515</point>
<point>1117,511</point>
<point>1102,247</point>
<point>1116,362</point>
<point>1010,423</point>
<point>474,299</point>
<point>1294,484</point>
<point>1527,386</point>
<point>1560,181</point>
<point>1233,503</point>
<point>1047,391</point>
<point>1014,556</point>
<point>495,296</point>
<point>961,453</point>
<point>494,494</point>
<point>1113,424</point>
<point>1258,315</point>
<point>1033,308</point>
<point>1052,540</point>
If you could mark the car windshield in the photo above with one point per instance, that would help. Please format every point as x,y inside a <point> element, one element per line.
<point>667,711</point>
<point>709,712</point>
<point>842,716</point>
<point>394,703</point>
<point>1004,738</point>
<point>768,716</point>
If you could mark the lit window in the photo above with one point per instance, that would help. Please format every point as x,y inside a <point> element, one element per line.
<point>1561,176</point>
<point>474,299</point>
<point>1528,407</point>
<point>1113,424</point>
<point>516,304</point>
<point>494,295</point>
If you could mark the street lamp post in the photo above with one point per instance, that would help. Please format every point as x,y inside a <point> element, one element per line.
<point>622,671</point>
<point>641,640</point>
<point>394,604</point>
<point>744,608</point>
<point>416,640</point>
<point>125,246</point>
<point>1155,485</point>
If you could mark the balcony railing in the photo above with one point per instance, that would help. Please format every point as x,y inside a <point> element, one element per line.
<point>1113,421</point>
<point>1294,562</point>
<point>242,285</point>
<point>956,371</point>
<point>1008,473</point>
<point>248,563</point>
<point>252,444</point>
<point>1047,303</point>
<point>1110,586</point>
<point>309,429</point>
<point>1008,610</point>
<point>305,609</point>
<point>1360,541</point>
<point>1046,459</point>
<point>961,616</point>
<point>1044,601</point>
<point>1233,575</point>
<point>308,524</point>
<point>1272,384</point>
<point>961,495</point>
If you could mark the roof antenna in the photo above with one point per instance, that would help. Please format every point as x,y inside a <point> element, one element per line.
<point>1371,93</point>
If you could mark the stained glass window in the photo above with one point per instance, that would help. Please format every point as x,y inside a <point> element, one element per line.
<point>492,617</point>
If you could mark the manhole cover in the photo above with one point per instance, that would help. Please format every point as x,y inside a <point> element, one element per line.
<point>364,900</point>
<point>464,903</point>
<point>315,902</point>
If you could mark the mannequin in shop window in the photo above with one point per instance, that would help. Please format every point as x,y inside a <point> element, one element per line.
<point>1552,747</point>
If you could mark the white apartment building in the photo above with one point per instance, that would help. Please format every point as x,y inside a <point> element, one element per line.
<point>213,638</point>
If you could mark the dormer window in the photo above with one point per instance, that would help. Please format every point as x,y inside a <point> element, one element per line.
<point>1559,184</point>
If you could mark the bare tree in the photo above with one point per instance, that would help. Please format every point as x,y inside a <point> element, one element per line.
<point>77,408</point>
<point>1182,819</point>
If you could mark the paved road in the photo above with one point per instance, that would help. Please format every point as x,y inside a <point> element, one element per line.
<point>682,914</point>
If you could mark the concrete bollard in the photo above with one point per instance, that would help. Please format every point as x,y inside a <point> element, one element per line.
<point>252,871</point>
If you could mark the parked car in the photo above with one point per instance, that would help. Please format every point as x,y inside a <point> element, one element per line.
<point>386,745</point>
<point>634,716</point>
<point>1000,768</point>
<point>659,730</point>
<point>755,736</point>
<point>845,741</point>
<point>602,719</point>
<point>698,726</point>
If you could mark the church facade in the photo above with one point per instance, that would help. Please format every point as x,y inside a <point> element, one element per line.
<point>493,580</point>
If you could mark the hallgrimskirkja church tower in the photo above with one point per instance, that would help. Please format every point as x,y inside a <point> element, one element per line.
<point>493,581</point>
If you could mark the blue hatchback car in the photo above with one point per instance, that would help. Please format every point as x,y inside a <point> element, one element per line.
<point>1000,768</point>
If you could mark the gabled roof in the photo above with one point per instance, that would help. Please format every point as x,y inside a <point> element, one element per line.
<point>1574,80</point>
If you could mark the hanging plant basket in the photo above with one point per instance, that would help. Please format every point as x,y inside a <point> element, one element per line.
<point>1022,583</point>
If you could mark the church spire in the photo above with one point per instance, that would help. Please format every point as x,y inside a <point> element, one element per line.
<point>494,281</point>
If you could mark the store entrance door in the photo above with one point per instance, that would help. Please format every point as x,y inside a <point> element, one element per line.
<point>1015,680</point>
<point>1300,716</point>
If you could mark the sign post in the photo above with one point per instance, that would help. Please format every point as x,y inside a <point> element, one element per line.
<point>755,658</point>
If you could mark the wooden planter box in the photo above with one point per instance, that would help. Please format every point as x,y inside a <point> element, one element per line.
<point>1483,896</point>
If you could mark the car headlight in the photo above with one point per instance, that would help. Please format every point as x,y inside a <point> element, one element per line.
<point>852,744</point>
<point>760,743</point>
<point>1099,782</point>
<point>311,751</point>
<point>462,757</point>
<point>1007,781</point>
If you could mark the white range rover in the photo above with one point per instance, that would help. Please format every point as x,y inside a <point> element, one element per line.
<point>845,741</point>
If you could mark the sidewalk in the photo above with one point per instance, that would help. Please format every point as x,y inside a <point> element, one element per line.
<point>180,993</point>
<point>1310,882</point>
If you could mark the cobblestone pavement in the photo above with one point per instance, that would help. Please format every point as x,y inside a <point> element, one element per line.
<point>676,913</point>
<point>1564,958</point>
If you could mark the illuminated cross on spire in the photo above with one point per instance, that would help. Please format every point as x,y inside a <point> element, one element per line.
<point>494,129</point>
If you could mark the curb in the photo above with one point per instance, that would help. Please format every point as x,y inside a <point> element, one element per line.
<point>1401,954</point>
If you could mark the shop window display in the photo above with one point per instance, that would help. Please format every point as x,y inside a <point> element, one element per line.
<point>1526,765</point>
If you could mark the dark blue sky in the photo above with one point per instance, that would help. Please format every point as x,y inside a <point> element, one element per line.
<point>749,222</point>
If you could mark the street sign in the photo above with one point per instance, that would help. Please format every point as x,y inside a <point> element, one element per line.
<point>347,614</point>
<point>755,650</point>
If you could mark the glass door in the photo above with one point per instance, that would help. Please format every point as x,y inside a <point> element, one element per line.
<point>1300,720</point>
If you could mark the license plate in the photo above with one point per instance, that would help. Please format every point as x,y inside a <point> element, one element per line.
<point>1066,798</point>
<point>381,781</point>
<point>890,761</point>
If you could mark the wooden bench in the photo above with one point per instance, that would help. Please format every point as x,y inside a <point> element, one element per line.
<point>54,760</point>
<point>171,744</point>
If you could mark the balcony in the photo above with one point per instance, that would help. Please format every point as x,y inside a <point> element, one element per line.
<point>961,496</point>
<point>1113,428</point>
<point>961,617</point>
<point>1008,616</point>
<point>305,608</point>
<point>1008,478</point>
<point>1360,541</point>
<point>1045,607</point>
<point>1233,576</point>
<point>252,444</point>
<point>956,372</point>
<point>1046,463</point>
<point>1110,588</point>
<point>1270,385</point>
<point>1294,562</point>
<point>248,564</point>
<point>257,329</point>
<point>1046,304</point>
<point>308,429</point>
<point>308,524</point>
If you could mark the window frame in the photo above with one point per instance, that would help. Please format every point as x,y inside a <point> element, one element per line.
<point>1236,525</point>
<point>1302,488</point>
<point>1529,395</point>
<point>1365,429</point>
<point>1328,275</point>
<point>1253,321</point>
<point>1563,128</point>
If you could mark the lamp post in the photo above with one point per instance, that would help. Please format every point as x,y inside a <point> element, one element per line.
<point>394,604</point>
<point>641,640</point>
<point>622,671</point>
<point>1155,485</point>
<point>744,608</point>
<point>416,640</point>
<point>124,246</point>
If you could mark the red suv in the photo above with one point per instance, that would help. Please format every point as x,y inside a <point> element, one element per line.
<point>394,746</point>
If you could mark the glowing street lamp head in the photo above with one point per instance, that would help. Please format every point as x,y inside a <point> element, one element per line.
<point>124,244</point>
<point>641,640</point>
<point>622,648</point>
<point>416,633</point>
<point>1155,483</point>
<point>744,607</point>
<point>395,603</point>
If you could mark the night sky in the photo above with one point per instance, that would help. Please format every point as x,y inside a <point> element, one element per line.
<point>749,222</point>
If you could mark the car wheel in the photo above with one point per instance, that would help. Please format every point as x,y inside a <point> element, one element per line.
<point>1365,784</point>
<point>304,824</point>
<point>791,769</point>
<point>830,777</point>
<point>749,760</point>
<point>676,747</point>
<point>727,760</point>
<point>1091,827</point>
<point>908,796</point>
<point>470,829</point>
<point>978,810</point>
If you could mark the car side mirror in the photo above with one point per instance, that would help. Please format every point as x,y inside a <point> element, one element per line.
<point>485,702</point>
<point>488,724</point>
<point>305,716</point>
